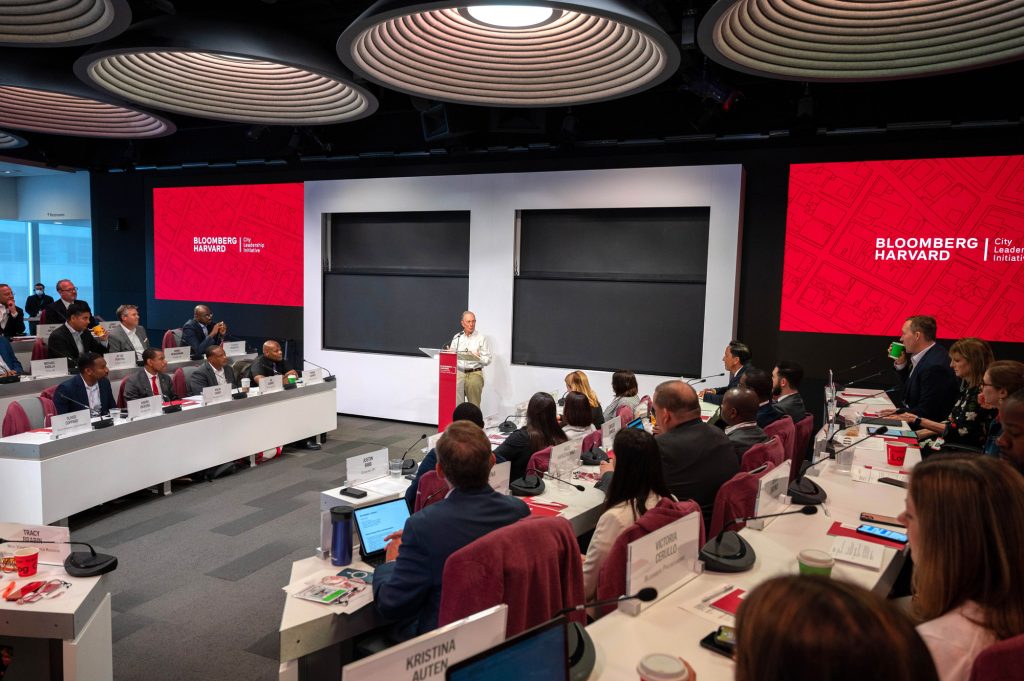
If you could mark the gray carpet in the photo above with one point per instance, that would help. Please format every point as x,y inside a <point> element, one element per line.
<point>197,594</point>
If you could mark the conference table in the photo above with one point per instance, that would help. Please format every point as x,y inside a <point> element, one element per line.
<point>45,480</point>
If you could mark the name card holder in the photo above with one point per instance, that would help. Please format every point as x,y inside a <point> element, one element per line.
<point>234,348</point>
<point>145,407</point>
<point>565,458</point>
<point>215,394</point>
<point>110,326</point>
<point>771,495</point>
<point>48,368</point>
<point>500,478</point>
<point>176,355</point>
<point>120,360</point>
<point>664,559</point>
<point>20,536</point>
<point>270,384</point>
<point>312,377</point>
<point>71,423</point>
<point>364,467</point>
<point>608,430</point>
<point>44,330</point>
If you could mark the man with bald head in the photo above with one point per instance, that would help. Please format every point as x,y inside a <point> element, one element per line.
<point>470,385</point>
<point>200,333</point>
<point>273,363</point>
<point>697,458</point>
<point>739,411</point>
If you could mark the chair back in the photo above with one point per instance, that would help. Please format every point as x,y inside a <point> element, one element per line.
<point>495,569</point>
<point>39,349</point>
<point>804,430</point>
<point>625,414</point>
<point>769,450</point>
<point>187,373</point>
<point>179,382</point>
<point>22,416</point>
<point>241,369</point>
<point>169,341</point>
<point>121,403</point>
<point>1002,661</point>
<point>42,317</point>
<point>48,392</point>
<point>591,440</point>
<point>430,490</point>
<point>786,432</point>
<point>736,499</point>
<point>539,461</point>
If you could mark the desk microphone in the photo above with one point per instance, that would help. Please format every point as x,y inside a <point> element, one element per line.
<point>865,378</point>
<point>408,464</point>
<point>507,426</point>
<point>646,595</point>
<point>329,378</point>
<point>104,422</point>
<point>561,400</point>
<point>729,552</point>
<point>78,563</point>
<point>862,363</point>
<point>702,379</point>
<point>547,474</point>
<point>804,491</point>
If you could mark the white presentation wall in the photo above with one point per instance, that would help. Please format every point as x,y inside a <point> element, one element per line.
<point>405,388</point>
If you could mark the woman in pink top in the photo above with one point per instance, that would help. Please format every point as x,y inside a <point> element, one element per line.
<point>965,521</point>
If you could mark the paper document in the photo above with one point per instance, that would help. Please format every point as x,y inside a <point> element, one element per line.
<point>871,474</point>
<point>858,552</point>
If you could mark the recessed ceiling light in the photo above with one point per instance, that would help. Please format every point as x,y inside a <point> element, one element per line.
<point>510,16</point>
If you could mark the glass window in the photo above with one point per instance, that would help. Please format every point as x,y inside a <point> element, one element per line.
<point>14,261</point>
<point>65,252</point>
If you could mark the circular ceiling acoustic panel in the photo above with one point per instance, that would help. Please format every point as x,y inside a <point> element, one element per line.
<point>532,54</point>
<point>9,141</point>
<point>61,23</point>
<point>227,71</point>
<point>858,40</point>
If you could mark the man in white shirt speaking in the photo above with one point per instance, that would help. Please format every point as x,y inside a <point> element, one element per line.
<point>471,376</point>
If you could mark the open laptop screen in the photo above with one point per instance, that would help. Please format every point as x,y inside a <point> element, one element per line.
<point>540,654</point>
<point>378,521</point>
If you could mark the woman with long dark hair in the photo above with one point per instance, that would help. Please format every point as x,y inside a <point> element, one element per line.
<point>541,430</point>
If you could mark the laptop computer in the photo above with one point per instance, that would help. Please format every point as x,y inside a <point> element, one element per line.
<point>374,523</point>
<point>538,654</point>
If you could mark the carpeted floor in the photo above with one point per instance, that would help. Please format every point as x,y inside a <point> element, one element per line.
<point>197,594</point>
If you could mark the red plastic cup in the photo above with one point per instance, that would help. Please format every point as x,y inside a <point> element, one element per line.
<point>27,561</point>
<point>896,453</point>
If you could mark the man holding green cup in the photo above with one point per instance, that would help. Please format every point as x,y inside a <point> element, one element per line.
<point>929,385</point>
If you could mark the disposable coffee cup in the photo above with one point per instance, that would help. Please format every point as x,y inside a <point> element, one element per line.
<point>896,453</point>
<point>895,350</point>
<point>245,384</point>
<point>662,667</point>
<point>26,561</point>
<point>815,562</point>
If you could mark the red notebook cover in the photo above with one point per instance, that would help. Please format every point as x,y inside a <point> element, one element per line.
<point>837,530</point>
<point>730,602</point>
<point>544,509</point>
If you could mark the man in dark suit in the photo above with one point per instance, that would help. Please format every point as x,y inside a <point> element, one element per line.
<point>929,385</point>
<point>198,333</point>
<point>57,311</point>
<point>216,370</point>
<point>739,411</point>
<point>12,317</point>
<point>74,337</point>
<point>36,302</point>
<point>150,379</point>
<point>760,382</point>
<point>786,378</point>
<point>90,387</point>
<point>736,361</point>
<point>9,364</point>
<point>409,584</point>
<point>130,336</point>
<point>697,458</point>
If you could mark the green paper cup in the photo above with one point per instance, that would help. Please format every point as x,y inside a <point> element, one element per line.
<point>895,350</point>
<point>815,562</point>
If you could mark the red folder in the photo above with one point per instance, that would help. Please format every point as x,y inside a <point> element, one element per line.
<point>837,530</point>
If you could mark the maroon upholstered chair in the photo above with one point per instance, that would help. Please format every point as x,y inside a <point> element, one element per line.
<point>757,455</point>
<point>736,499</point>
<point>48,393</point>
<point>625,414</point>
<point>432,489</point>
<point>785,430</point>
<point>39,349</point>
<point>539,461</point>
<point>24,415</point>
<point>591,440</point>
<point>121,403</point>
<point>804,430</point>
<point>179,382</point>
<point>495,569</point>
<point>169,340</point>
<point>1002,661</point>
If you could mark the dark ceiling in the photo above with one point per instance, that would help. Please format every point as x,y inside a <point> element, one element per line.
<point>701,104</point>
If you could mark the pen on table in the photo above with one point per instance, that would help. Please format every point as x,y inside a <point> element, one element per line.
<point>724,591</point>
<point>885,468</point>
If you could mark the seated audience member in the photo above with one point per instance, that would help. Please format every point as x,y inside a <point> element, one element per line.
<point>1011,440</point>
<point>786,379</point>
<point>697,458</point>
<point>736,361</point>
<point>1001,379</point>
<point>36,302</point>
<point>90,388</point>
<point>12,317</point>
<point>150,379</point>
<point>130,336</point>
<point>577,416</point>
<point>57,311</point>
<point>968,423</point>
<point>625,388</point>
<point>9,364</point>
<point>216,370</point>
<point>800,628</point>
<point>409,584</point>
<point>929,386</point>
<point>271,363</point>
<point>75,337</point>
<point>638,484</point>
<point>198,333</point>
<point>760,382</point>
<point>577,381</point>
<point>739,411</point>
<point>965,523</point>
<point>541,431</point>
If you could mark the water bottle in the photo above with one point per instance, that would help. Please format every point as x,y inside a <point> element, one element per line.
<point>341,535</point>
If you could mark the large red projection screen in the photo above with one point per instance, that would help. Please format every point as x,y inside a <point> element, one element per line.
<point>228,244</point>
<point>870,243</point>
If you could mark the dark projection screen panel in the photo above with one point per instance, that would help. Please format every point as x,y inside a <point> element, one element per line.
<point>436,242</point>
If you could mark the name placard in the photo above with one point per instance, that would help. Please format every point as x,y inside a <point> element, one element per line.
<point>120,360</point>
<point>215,394</point>
<point>565,458</point>
<point>664,559</point>
<point>42,368</point>
<point>175,355</point>
<point>501,474</point>
<point>771,495</point>
<point>429,655</point>
<point>363,467</point>
<point>145,407</point>
<point>110,326</point>
<point>234,348</point>
<point>28,536</point>
<point>312,376</point>
<point>270,384</point>
<point>44,330</point>
<point>71,423</point>
<point>608,430</point>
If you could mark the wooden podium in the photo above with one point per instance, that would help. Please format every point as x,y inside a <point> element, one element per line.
<point>447,379</point>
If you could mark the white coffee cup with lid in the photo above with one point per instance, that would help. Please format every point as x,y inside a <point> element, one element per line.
<point>662,667</point>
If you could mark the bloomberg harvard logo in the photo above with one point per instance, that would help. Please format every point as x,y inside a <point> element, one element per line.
<point>941,248</point>
<point>220,244</point>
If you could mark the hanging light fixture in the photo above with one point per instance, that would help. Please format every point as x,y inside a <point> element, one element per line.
<point>528,54</point>
<point>853,40</point>
<point>226,70</point>
<point>9,141</point>
<point>61,23</point>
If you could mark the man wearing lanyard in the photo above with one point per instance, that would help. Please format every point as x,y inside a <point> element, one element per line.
<point>471,376</point>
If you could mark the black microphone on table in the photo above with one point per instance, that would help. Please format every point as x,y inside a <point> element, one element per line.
<point>863,378</point>
<point>408,464</point>
<point>104,422</point>
<point>547,474</point>
<point>78,563</point>
<point>507,426</point>
<point>329,378</point>
<point>532,484</point>
<point>702,379</point>
<point>561,400</point>
<point>804,491</point>
<point>729,552</point>
<point>645,595</point>
<point>864,362</point>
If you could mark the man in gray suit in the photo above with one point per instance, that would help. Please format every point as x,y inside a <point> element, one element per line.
<point>130,336</point>
<point>216,370</point>
<point>739,411</point>
<point>150,379</point>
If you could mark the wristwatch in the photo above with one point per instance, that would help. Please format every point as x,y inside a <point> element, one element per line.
<point>916,423</point>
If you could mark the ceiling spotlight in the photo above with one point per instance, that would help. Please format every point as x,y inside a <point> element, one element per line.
<point>9,141</point>
<point>35,23</point>
<point>861,41</point>
<point>534,54</point>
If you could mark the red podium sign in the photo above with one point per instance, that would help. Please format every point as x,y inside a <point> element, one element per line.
<point>447,377</point>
